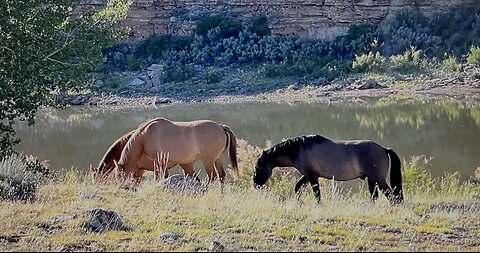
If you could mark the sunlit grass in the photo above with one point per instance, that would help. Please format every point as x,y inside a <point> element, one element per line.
<point>245,219</point>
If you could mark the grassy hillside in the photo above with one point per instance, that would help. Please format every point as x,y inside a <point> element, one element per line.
<point>438,215</point>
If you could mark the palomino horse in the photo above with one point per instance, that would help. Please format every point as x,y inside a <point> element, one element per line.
<point>315,156</point>
<point>184,142</point>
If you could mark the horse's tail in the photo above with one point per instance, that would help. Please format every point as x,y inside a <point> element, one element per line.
<point>233,148</point>
<point>395,176</point>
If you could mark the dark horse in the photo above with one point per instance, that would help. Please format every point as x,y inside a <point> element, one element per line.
<point>315,156</point>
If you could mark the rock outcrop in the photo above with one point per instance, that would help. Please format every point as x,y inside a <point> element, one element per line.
<point>303,18</point>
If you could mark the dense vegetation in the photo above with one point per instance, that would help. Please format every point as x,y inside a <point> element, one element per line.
<point>405,41</point>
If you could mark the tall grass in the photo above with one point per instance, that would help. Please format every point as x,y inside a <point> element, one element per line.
<point>18,181</point>
<point>244,219</point>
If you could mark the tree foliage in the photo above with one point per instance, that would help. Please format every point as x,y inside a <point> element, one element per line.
<point>48,47</point>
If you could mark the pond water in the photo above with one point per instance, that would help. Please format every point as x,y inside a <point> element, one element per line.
<point>448,131</point>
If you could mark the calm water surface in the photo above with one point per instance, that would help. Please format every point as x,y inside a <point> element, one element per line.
<point>446,131</point>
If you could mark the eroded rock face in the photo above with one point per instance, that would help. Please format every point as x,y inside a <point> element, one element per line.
<point>303,18</point>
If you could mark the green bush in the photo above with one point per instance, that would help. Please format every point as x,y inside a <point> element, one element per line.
<point>214,75</point>
<point>474,56</point>
<point>259,26</point>
<point>155,46</point>
<point>369,62</point>
<point>410,61</point>
<point>133,64</point>
<point>220,41</point>
<point>227,26</point>
<point>459,28</point>
<point>178,73</point>
<point>454,30</point>
<point>450,63</point>
<point>308,69</point>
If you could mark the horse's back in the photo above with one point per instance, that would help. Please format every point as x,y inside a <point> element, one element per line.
<point>185,140</point>
<point>209,136</point>
<point>343,159</point>
<point>371,157</point>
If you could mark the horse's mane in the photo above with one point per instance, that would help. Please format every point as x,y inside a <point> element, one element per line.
<point>133,138</point>
<point>291,146</point>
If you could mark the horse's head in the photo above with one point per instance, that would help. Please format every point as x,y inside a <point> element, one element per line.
<point>263,170</point>
<point>100,172</point>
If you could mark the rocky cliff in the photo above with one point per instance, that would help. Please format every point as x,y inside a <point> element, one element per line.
<point>303,18</point>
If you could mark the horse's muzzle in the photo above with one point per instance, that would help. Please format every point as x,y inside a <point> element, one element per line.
<point>257,186</point>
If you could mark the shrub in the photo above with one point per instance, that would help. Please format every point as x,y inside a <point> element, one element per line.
<point>258,25</point>
<point>155,46</point>
<point>405,28</point>
<point>214,76</point>
<point>133,64</point>
<point>20,178</point>
<point>309,69</point>
<point>178,73</point>
<point>450,63</point>
<point>410,61</point>
<point>474,56</point>
<point>227,26</point>
<point>459,28</point>
<point>369,62</point>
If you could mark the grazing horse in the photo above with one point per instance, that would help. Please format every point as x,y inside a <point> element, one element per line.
<point>107,165</point>
<point>315,156</point>
<point>184,142</point>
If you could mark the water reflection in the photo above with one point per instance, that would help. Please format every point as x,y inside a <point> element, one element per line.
<point>448,131</point>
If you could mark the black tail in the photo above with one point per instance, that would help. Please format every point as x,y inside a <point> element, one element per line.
<point>395,176</point>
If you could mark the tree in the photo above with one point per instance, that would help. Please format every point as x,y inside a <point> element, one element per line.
<point>48,47</point>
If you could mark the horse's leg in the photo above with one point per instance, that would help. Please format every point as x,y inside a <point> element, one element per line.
<point>303,180</point>
<point>385,188</point>
<point>212,173</point>
<point>189,171</point>
<point>210,170</point>
<point>221,173</point>
<point>220,170</point>
<point>315,186</point>
<point>372,187</point>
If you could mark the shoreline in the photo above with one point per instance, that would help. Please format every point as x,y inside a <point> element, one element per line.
<point>464,92</point>
<point>463,85</point>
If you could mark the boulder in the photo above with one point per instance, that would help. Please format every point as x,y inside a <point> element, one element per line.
<point>137,81</point>
<point>367,84</point>
<point>168,237</point>
<point>184,185</point>
<point>216,247</point>
<point>101,221</point>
